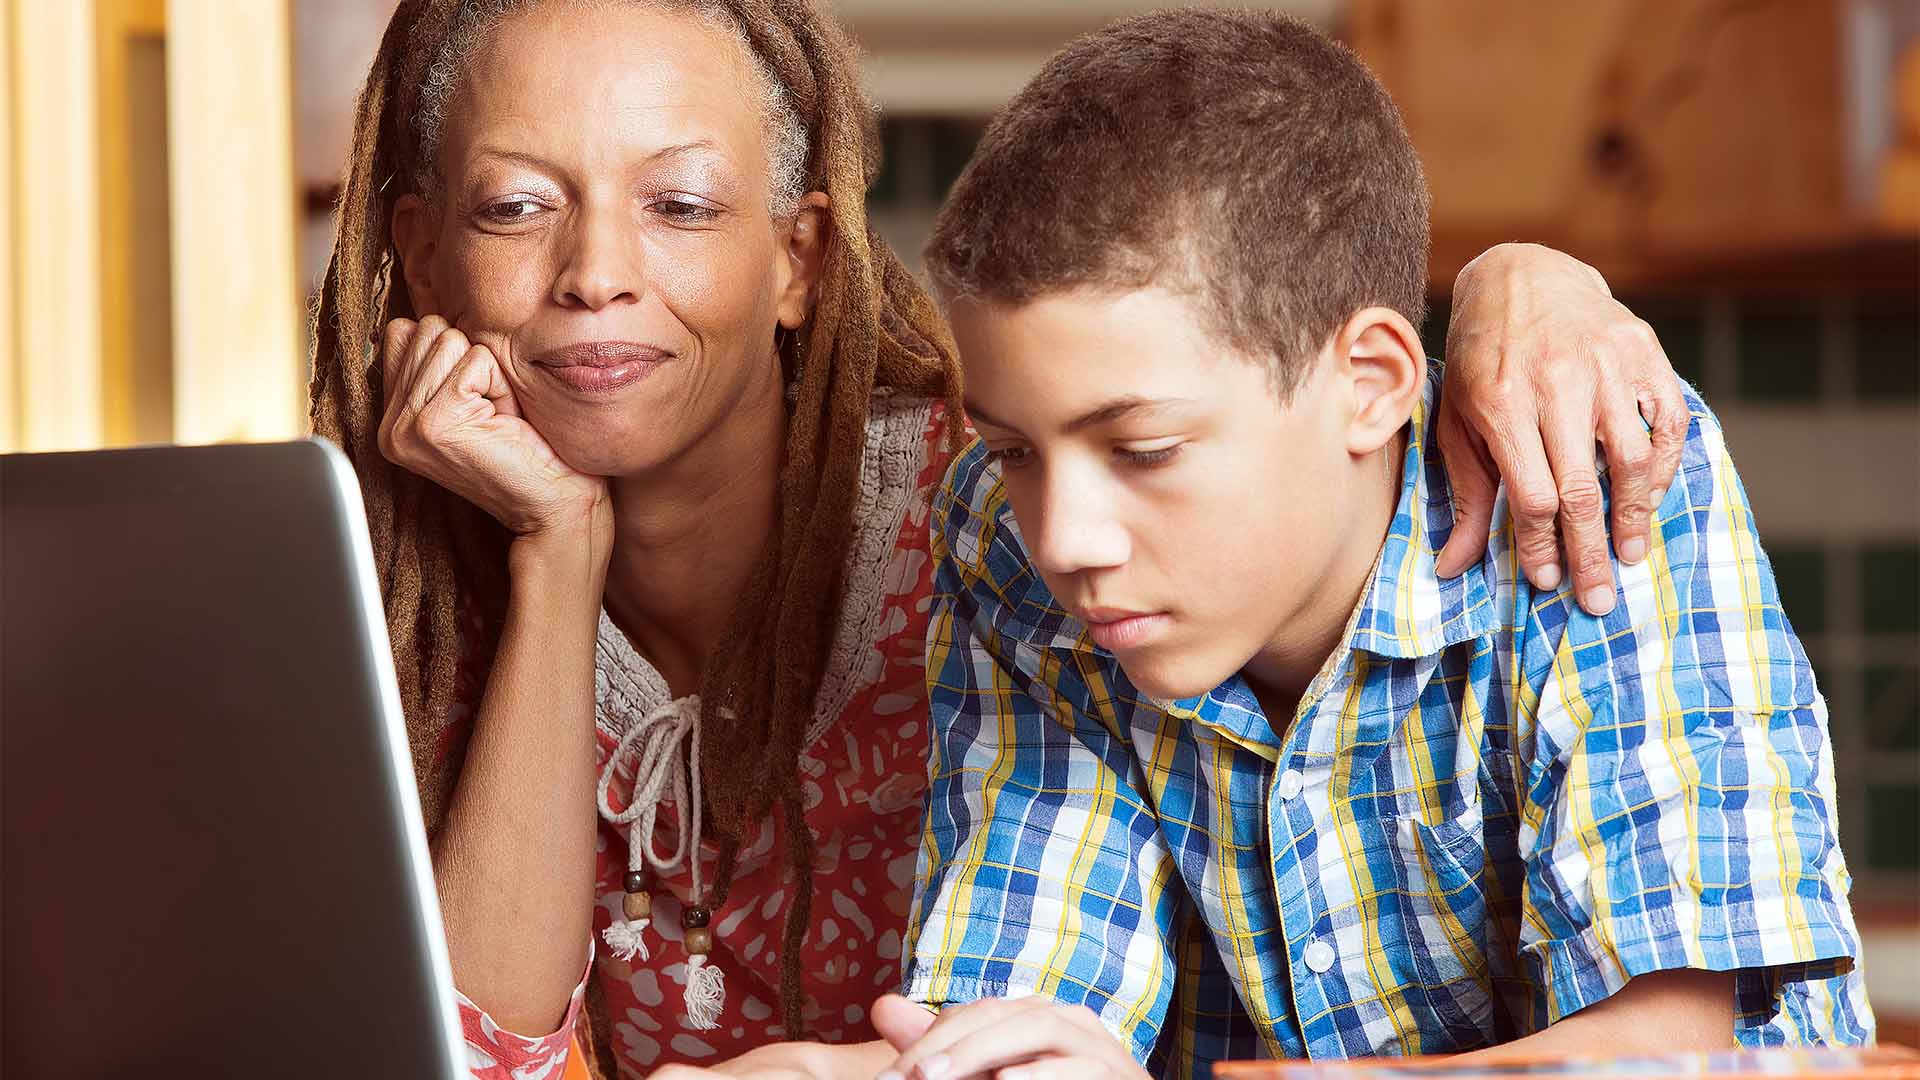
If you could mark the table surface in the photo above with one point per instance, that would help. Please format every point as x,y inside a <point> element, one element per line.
<point>1878,1063</point>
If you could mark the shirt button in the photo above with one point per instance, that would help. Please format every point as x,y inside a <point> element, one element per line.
<point>1319,957</point>
<point>1290,784</point>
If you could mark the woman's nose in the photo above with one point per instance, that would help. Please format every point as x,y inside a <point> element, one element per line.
<point>602,268</point>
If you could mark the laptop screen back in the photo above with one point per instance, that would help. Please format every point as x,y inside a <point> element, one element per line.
<point>212,856</point>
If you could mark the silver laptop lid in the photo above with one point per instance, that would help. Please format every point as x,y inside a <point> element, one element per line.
<point>213,858</point>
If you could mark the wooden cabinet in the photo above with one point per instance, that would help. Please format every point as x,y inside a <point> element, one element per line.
<point>1654,139</point>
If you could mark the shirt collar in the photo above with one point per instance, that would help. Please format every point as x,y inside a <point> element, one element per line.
<point>1409,610</point>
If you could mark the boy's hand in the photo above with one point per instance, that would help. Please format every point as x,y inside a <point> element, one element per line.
<point>1542,363</point>
<point>1020,1039</point>
<point>738,1069</point>
<point>780,1061</point>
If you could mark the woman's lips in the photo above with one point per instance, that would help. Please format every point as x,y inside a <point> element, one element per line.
<point>601,367</point>
<point>1117,630</point>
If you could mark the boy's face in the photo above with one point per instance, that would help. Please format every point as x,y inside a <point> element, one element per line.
<point>1166,496</point>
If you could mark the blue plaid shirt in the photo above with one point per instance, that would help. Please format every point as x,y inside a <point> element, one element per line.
<point>1490,810</point>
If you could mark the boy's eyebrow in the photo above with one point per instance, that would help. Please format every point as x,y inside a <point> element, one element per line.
<point>1118,408</point>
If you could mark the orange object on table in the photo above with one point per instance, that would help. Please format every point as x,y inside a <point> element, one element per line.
<point>1871,1063</point>
<point>576,1063</point>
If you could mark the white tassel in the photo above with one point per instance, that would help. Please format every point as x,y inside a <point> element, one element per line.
<point>706,993</point>
<point>627,938</point>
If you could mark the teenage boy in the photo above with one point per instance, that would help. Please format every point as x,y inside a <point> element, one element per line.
<point>1218,755</point>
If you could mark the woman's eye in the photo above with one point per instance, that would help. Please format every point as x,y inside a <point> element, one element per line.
<point>683,211</point>
<point>1011,457</point>
<point>508,211</point>
<point>1159,455</point>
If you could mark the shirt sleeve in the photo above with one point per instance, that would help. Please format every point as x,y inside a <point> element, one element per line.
<point>494,1053</point>
<point>1680,803</point>
<point>1042,869</point>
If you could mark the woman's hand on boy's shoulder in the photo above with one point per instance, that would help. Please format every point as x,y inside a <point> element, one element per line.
<point>1542,364</point>
<point>1031,1038</point>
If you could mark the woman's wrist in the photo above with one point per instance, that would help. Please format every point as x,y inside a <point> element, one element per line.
<point>568,560</point>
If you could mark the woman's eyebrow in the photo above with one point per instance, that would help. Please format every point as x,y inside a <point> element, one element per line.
<point>693,148</point>
<point>517,157</point>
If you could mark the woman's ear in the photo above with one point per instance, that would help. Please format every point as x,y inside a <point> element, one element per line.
<point>416,233</point>
<point>1386,371</point>
<point>806,258</point>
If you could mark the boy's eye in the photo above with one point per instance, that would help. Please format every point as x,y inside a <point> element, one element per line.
<point>1011,457</point>
<point>1147,457</point>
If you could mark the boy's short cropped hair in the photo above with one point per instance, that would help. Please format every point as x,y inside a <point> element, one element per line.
<point>1241,158</point>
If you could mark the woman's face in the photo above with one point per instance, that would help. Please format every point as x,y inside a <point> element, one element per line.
<point>603,226</point>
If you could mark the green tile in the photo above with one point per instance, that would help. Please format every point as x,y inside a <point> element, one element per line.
<point>1893,707</point>
<point>1682,338</point>
<point>1887,356</point>
<point>1893,837</point>
<point>952,142</point>
<point>1433,332</point>
<point>1890,586</point>
<point>1779,354</point>
<point>1852,800</point>
<point>886,187</point>
<point>1801,573</point>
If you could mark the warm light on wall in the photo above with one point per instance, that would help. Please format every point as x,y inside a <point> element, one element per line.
<point>238,368</point>
<point>147,284</point>
<point>52,353</point>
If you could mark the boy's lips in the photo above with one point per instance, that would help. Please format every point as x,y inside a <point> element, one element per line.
<point>1115,629</point>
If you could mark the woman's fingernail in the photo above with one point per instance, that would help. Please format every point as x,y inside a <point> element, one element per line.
<point>934,1067</point>
<point>889,1075</point>
<point>1659,497</point>
<point>1599,600</point>
<point>1633,549</point>
<point>1547,577</point>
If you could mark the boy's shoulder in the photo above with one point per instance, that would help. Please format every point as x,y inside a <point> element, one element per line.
<point>1699,618</point>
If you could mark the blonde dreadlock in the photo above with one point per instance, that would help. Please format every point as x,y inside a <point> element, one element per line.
<point>872,326</point>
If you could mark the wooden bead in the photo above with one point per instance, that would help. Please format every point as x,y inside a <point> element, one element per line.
<point>639,906</point>
<point>636,881</point>
<point>693,918</point>
<point>699,941</point>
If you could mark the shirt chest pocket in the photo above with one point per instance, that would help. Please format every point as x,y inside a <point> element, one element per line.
<point>1440,946</point>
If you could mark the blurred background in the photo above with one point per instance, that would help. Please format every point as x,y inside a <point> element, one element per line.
<point>1746,173</point>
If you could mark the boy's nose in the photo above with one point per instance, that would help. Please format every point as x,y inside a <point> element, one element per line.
<point>1075,530</point>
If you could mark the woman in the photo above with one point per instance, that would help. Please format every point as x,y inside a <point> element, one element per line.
<point>650,421</point>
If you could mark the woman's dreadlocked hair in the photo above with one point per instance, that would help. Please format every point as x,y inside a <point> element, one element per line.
<point>872,326</point>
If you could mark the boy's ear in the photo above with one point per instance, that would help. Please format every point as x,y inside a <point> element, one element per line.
<point>1387,370</point>
<point>416,232</point>
<point>806,258</point>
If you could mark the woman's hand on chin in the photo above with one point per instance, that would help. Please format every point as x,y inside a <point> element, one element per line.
<point>451,417</point>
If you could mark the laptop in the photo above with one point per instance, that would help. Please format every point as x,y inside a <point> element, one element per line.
<point>212,861</point>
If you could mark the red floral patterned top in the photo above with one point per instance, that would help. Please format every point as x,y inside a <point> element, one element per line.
<point>863,778</point>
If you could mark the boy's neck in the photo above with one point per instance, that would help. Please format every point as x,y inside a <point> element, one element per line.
<point>1280,674</point>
